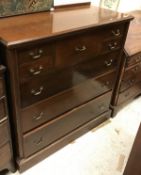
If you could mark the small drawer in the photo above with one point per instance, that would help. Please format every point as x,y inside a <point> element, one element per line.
<point>111,45</point>
<point>45,86</point>
<point>54,130</point>
<point>3,109</point>
<point>34,53</point>
<point>129,93</point>
<point>133,59</point>
<point>5,156</point>
<point>49,109</point>
<point>35,69</point>
<point>4,133</point>
<point>131,77</point>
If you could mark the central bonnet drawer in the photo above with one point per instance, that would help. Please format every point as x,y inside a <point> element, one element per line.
<point>52,131</point>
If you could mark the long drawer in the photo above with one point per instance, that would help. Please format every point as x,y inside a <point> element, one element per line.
<point>129,93</point>
<point>46,110</point>
<point>4,133</point>
<point>50,132</point>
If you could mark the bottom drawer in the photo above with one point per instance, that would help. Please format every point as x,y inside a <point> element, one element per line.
<point>129,93</point>
<point>5,156</point>
<point>54,130</point>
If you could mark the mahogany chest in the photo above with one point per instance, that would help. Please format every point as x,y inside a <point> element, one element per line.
<point>6,153</point>
<point>62,71</point>
<point>130,80</point>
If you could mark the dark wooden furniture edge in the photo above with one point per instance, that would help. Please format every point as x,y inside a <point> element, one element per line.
<point>82,5</point>
<point>29,162</point>
<point>133,166</point>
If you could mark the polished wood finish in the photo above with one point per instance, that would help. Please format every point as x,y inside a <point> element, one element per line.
<point>16,31</point>
<point>6,153</point>
<point>62,72</point>
<point>133,165</point>
<point>130,80</point>
<point>132,45</point>
<point>48,109</point>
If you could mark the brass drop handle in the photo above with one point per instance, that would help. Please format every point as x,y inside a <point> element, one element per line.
<point>36,72</point>
<point>116,32</point>
<point>36,93</point>
<point>35,56</point>
<point>39,141</point>
<point>108,63</point>
<point>80,49</point>
<point>113,46</point>
<point>39,117</point>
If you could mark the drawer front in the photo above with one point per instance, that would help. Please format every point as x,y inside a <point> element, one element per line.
<point>1,87</point>
<point>76,49</point>
<point>3,110</point>
<point>45,86</point>
<point>52,131</point>
<point>57,105</point>
<point>134,59</point>
<point>131,77</point>
<point>4,133</point>
<point>129,93</point>
<point>34,53</point>
<point>5,156</point>
<point>35,68</point>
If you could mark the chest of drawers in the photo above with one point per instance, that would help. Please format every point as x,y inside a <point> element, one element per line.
<point>61,76</point>
<point>6,153</point>
<point>130,84</point>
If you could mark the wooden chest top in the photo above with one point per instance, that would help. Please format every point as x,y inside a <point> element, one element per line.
<point>133,41</point>
<point>20,29</point>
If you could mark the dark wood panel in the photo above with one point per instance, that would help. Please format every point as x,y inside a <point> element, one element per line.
<point>129,93</point>
<point>133,164</point>
<point>133,59</point>
<point>35,52</point>
<point>59,104</point>
<point>131,77</point>
<point>4,133</point>
<point>1,87</point>
<point>5,156</point>
<point>24,164</point>
<point>52,131</point>
<point>75,49</point>
<point>36,68</point>
<point>3,109</point>
<point>39,88</point>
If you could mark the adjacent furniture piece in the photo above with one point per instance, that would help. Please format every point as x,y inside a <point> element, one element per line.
<point>134,162</point>
<point>130,80</point>
<point>62,69</point>
<point>6,154</point>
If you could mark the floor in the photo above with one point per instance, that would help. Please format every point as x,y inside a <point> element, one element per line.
<point>102,151</point>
